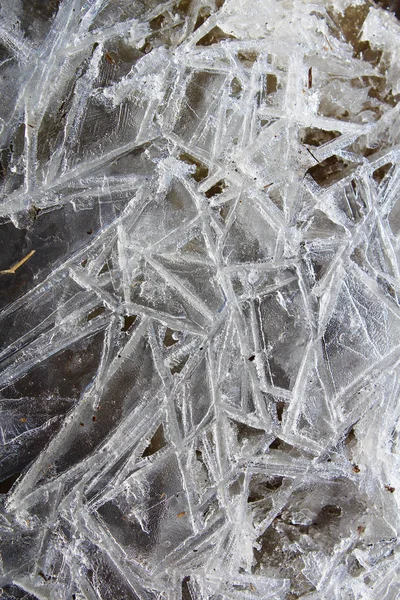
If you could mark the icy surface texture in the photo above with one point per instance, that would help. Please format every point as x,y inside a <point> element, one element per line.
<point>200,346</point>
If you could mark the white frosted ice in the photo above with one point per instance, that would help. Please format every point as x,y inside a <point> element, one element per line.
<point>199,293</point>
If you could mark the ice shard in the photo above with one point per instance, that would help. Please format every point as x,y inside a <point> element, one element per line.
<point>199,300</point>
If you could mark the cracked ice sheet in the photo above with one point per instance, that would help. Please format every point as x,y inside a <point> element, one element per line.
<point>199,300</point>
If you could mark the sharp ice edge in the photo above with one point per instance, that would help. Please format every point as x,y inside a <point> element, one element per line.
<point>200,363</point>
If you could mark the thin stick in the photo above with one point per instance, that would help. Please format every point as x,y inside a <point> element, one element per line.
<point>18,264</point>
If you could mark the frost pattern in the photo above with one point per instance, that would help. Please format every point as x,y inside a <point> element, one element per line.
<point>200,300</point>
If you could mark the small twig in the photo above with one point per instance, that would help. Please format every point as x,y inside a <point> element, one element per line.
<point>18,264</point>
<point>308,150</point>
<point>328,42</point>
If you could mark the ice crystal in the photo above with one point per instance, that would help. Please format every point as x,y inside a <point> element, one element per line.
<point>200,224</point>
